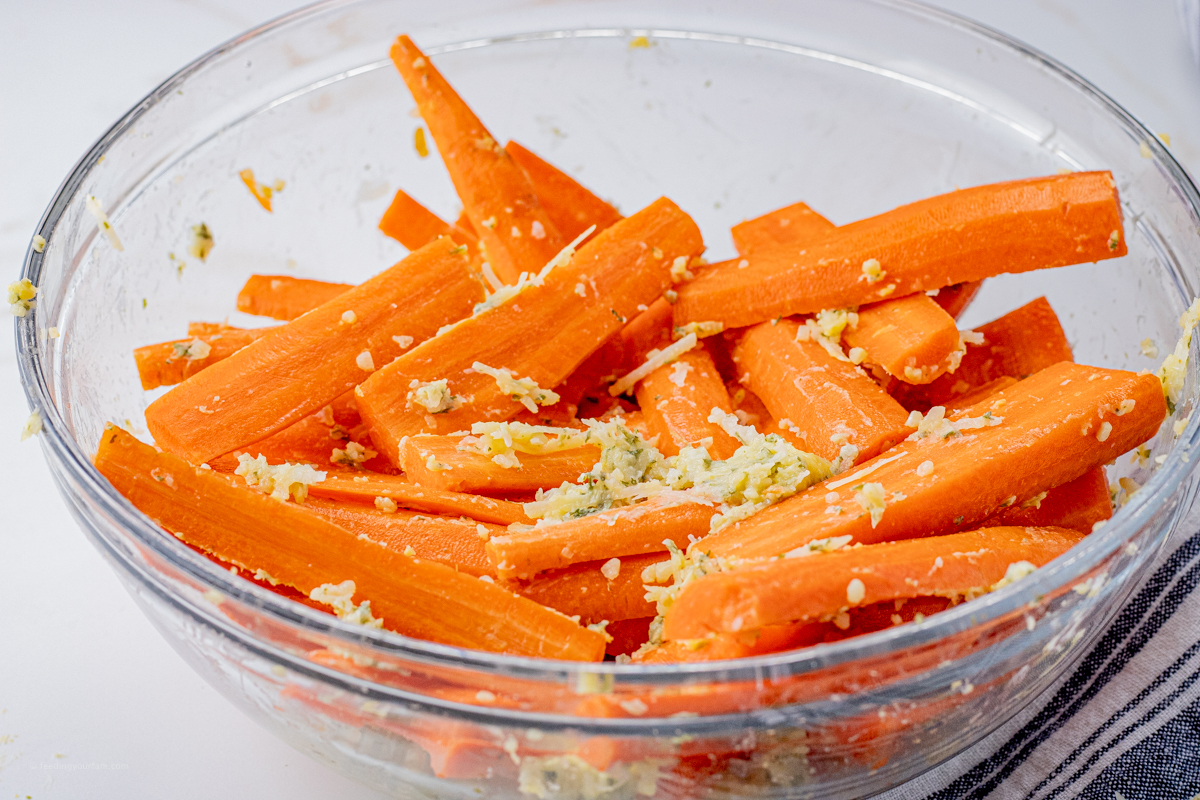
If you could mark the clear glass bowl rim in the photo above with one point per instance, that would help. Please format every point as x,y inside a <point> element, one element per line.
<point>67,454</point>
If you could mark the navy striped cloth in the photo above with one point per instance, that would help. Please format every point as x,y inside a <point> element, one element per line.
<point>1122,724</point>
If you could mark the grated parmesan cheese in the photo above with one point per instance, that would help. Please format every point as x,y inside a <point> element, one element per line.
<point>679,373</point>
<point>503,294</point>
<point>873,501</point>
<point>654,360</point>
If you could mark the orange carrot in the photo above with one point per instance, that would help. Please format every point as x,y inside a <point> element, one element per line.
<point>955,299</point>
<point>262,193</point>
<point>823,585</point>
<point>284,297</point>
<point>910,337</point>
<point>312,440</point>
<point>1077,505</point>
<point>299,367</point>
<point>828,403</point>
<point>415,597</point>
<point>966,235</point>
<point>627,635</point>
<point>436,462</point>
<point>979,394</point>
<point>630,531</point>
<point>571,207</point>
<point>794,224</point>
<point>677,399</point>
<point>457,543</point>
<point>1045,431</point>
<point>414,226</point>
<point>543,333</point>
<point>170,363</point>
<point>587,590</point>
<point>367,487</point>
<point>516,232</point>
<point>1016,345</point>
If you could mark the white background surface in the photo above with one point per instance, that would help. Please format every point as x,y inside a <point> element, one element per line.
<point>92,702</point>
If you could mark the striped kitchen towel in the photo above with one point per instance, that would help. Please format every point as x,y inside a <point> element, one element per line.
<point>1122,724</point>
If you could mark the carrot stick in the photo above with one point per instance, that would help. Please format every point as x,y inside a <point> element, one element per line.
<point>627,635</point>
<point>966,235</point>
<point>588,590</point>
<point>571,207</point>
<point>1077,505</point>
<point>312,440</point>
<point>298,368</point>
<point>212,328</point>
<point>463,223</point>
<point>1057,425</point>
<point>367,487</point>
<point>793,635</point>
<point>457,543</point>
<point>543,333</point>
<point>978,395</point>
<point>515,230</point>
<point>794,224</point>
<point>955,299</point>
<point>1016,345</point>
<point>629,531</point>
<point>910,337</point>
<point>169,363</point>
<point>414,226</point>
<point>414,597</point>
<point>821,586</point>
<point>284,297</point>
<point>436,462</point>
<point>676,401</point>
<point>828,403</point>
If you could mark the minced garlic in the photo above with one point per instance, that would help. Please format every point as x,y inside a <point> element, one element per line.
<point>1149,348</point>
<point>872,271</point>
<point>433,396</point>
<point>32,426</point>
<point>680,271</point>
<point>21,296</point>
<point>1173,371</point>
<point>201,243</point>
<point>873,500</point>
<point>39,243</point>
<point>341,597</point>
<point>95,208</point>
<point>354,456</point>
<point>611,569</point>
<point>524,390</point>
<point>364,361</point>
<point>386,505</point>
<point>281,481</point>
<point>1015,572</point>
<point>855,591</point>
<point>403,342</point>
<point>195,350</point>
<point>679,373</point>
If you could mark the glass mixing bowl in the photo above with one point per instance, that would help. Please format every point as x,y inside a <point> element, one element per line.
<point>731,109</point>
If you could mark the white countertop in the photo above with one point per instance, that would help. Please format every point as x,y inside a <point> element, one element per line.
<point>93,703</point>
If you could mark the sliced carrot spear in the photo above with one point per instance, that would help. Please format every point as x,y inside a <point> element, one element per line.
<point>629,531</point>
<point>571,207</point>
<point>955,299</point>
<point>415,597</point>
<point>792,224</point>
<point>820,586</point>
<point>414,226</point>
<point>1016,345</point>
<point>284,297</point>
<point>979,394</point>
<point>676,400</point>
<point>828,403</point>
<point>966,235</point>
<point>299,367</point>
<point>169,363</point>
<point>910,337</point>
<point>373,488</point>
<point>437,462</point>
<point>516,232</point>
<point>1077,505</point>
<point>457,543</point>
<point>610,589</point>
<point>540,333</point>
<point>1045,431</point>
